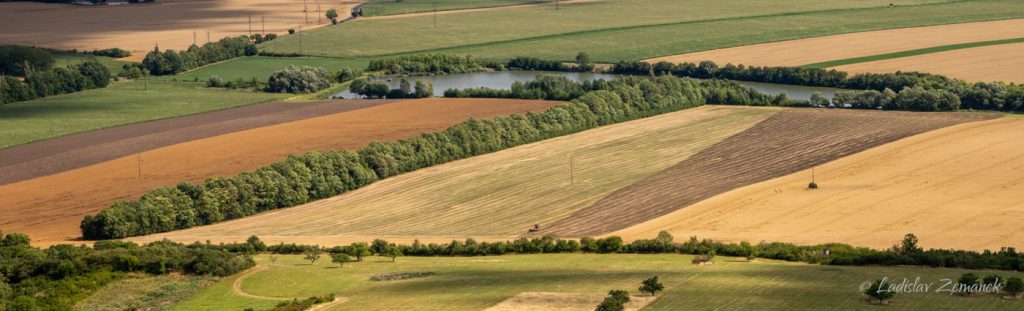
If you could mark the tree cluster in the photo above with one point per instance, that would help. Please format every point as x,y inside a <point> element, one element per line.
<point>113,52</point>
<point>380,90</point>
<point>18,60</point>
<point>533,63</point>
<point>921,88</point>
<point>303,79</point>
<point>56,277</point>
<point>171,62</point>
<point>61,80</point>
<point>425,64</point>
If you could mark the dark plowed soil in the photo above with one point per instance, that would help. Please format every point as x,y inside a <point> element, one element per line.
<point>788,142</point>
<point>56,155</point>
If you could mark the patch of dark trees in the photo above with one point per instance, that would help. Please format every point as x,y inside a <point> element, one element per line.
<point>170,62</point>
<point>54,81</point>
<point>405,89</point>
<point>57,277</point>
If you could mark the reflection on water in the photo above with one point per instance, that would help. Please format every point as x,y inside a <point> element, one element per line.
<point>504,79</point>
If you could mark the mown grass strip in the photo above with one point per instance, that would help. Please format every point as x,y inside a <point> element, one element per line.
<point>934,49</point>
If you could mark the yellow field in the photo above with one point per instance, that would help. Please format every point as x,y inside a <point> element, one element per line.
<point>957,187</point>
<point>821,49</point>
<point>498,195</point>
<point>988,63</point>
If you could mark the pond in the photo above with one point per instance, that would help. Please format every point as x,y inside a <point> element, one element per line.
<point>504,80</point>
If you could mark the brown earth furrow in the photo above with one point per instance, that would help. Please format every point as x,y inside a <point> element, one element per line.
<point>56,155</point>
<point>786,143</point>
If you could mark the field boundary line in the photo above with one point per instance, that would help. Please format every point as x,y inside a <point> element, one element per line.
<point>914,52</point>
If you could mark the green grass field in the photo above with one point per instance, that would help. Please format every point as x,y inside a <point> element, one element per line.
<point>261,67</point>
<point>64,59</point>
<point>934,49</point>
<point>475,283</point>
<point>144,292</point>
<point>392,7</point>
<point>118,104</point>
<point>630,30</point>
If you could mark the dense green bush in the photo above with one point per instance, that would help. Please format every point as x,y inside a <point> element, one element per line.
<point>17,60</point>
<point>113,52</point>
<point>172,62</point>
<point>380,90</point>
<point>533,63</point>
<point>61,80</point>
<point>57,277</point>
<point>425,64</point>
<point>303,79</point>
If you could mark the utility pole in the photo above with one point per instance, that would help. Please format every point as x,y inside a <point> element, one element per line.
<point>250,26</point>
<point>305,9</point>
<point>300,40</point>
<point>263,24</point>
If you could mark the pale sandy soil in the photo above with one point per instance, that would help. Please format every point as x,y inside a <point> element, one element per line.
<point>169,23</point>
<point>988,63</point>
<point>495,196</point>
<point>957,187</point>
<point>49,209</point>
<point>546,301</point>
<point>820,49</point>
<point>521,6</point>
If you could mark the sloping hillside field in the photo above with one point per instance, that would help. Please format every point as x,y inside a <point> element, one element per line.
<point>787,142</point>
<point>957,187</point>
<point>50,208</point>
<point>498,195</point>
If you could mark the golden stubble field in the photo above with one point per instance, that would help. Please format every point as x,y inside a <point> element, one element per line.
<point>958,187</point>
<point>169,23</point>
<point>821,49</point>
<point>989,63</point>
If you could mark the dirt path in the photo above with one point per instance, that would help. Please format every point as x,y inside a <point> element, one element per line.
<point>32,160</point>
<point>236,287</point>
<point>787,142</point>
<point>989,63</point>
<point>957,188</point>
<point>49,209</point>
<point>820,49</point>
<point>508,7</point>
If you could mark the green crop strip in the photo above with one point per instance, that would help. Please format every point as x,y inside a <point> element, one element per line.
<point>934,49</point>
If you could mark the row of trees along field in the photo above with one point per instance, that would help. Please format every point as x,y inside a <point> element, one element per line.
<point>59,276</point>
<point>451,64</point>
<point>316,175</point>
<point>55,81</point>
<point>170,62</point>
<point>947,94</point>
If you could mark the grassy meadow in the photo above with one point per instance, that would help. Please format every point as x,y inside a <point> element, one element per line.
<point>391,7</point>
<point>630,30</point>
<point>475,283</point>
<point>64,59</point>
<point>261,67</point>
<point>118,104</point>
<point>144,292</point>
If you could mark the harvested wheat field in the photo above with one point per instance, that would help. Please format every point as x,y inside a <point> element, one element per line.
<point>821,49</point>
<point>498,195</point>
<point>989,63</point>
<point>543,301</point>
<point>50,208</point>
<point>169,23</point>
<point>32,160</point>
<point>958,187</point>
<point>787,142</point>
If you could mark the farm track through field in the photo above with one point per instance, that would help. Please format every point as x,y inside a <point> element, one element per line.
<point>23,162</point>
<point>49,209</point>
<point>788,142</point>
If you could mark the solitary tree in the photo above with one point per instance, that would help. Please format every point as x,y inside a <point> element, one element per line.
<point>1014,286</point>
<point>332,14</point>
<point>909,245</point>
<point>876,292</point>
<point>966,281</point>
<point>615,301</point>
<point>392,252</point>
<point>652,286</point>
<point>313,255</point>
<point>359,250</point>
<point>273,260</point>
<point>340,258</point>
<point>583,62</point>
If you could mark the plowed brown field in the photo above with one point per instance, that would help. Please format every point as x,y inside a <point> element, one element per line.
<point>821,49</point>
<point>788,142</point>
<point>169,23</point>
<point>958,187</point>
<point>50,208</point>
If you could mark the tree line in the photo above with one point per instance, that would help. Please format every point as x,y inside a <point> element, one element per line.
<point>315,175</point>
<point>54,81</point>
<point>425,64</point>
<point>947,94</point>
<point>170,62</point>
<point>61,275</point>
<point>405,89</point>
